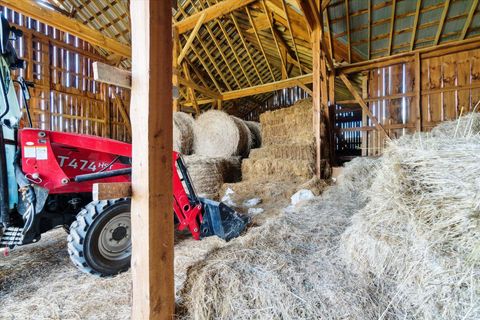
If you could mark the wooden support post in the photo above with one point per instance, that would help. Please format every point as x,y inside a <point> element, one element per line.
<point>176,86</point>
<point>364,117</point>
<point>317,94</point>
<point>152,211</point>
<point>320,93</point>
<point>418,91</point>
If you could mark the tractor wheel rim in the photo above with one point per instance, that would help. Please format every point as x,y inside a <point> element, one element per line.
<point>115,238</point>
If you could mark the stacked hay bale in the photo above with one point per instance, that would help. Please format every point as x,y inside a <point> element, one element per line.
<point>209,173</point>
<point>419,234</point>
<point>288,144</point>
<point>218,134</point>
<point>286,268</point>
<point>220,142</point>
<point>183,133</point>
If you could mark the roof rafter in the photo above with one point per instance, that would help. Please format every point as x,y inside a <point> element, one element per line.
<point>392,27</point>
<point>211,13</point>
<point>76,28</point>
<point>415,24</point>
<point>442,22</point>
<point>471,13</point>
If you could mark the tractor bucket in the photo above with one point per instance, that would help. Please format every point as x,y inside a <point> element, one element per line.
<point>221,220</point>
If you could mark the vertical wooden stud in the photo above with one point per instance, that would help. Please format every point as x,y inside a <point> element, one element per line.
<point>152,212</point>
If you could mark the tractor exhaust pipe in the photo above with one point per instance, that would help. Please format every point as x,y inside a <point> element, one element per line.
<point>102,175</point>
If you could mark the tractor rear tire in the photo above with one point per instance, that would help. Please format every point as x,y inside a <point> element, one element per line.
<point>99,242</point>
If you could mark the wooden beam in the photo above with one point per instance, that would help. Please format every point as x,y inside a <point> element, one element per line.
<point>111,190</point>
<point>415,24</point>
<point>124,115</point>
<point>259,42</point>
<point>152,210</point>
<point>471,13</point>
<point>349,40</point>
<point>57,20</point>
<point>211,13</point>
<point>105,73</point>
<point>268,87</point>
<point>418,91</point>
<point>317,95</point>
<point>245,46</point>
<point>442,22</point>
<point>190,39</point>
<point>369,41</point>
<point>392,27</point>
<point>427,52</point>
<point>284,5</point>
<point>309,9</point>
<point>122,78</point>
<point>196,87</point>
<point>305,88</point>
<point>272,28</point>
<point>362,103</point>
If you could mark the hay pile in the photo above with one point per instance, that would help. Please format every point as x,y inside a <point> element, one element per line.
<point>287,268</point>
<point>288,144</point>
<point>219,135</point>
<point>208,174</point>
<point>256,132</point>
<point>419,235</point>
<point>183,133</point>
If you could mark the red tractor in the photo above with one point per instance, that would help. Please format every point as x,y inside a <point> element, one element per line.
<point>46,181</point>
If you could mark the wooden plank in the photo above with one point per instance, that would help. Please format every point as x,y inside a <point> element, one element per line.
<point>392,26</point>
<point>152,210</point>
<point>105,73</point>
<point>305,88</point>
<point>190,39</point>
<point>262,49</point>
<point>418,90</point>
<point>272,28</point>
<point>449,77</point>
<point>57,20</point>
<point>211,13</point>
<point>268,87</point>
<point>347,25</point>
<point>463,79</point>
<point>124,114</point>
<point>122,78</point>
<point>428,52</point>
<point>442,22</point>
<point>362,103</point>
<point>415,24</point>
<point>112,190</point>
<point>469,19</point>
<point>317,95</point>
<point>435,82</point>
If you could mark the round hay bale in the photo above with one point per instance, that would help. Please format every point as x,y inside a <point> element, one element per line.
<point>216,134</point>
<point>183,133</point>
<point>256,132</point>
<point>206,175</point>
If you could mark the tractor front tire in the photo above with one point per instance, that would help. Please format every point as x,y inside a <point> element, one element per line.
<point>99,242</point>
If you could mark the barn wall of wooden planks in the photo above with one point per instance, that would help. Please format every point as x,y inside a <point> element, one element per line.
<point>65,96</point>
<point>448,86</point>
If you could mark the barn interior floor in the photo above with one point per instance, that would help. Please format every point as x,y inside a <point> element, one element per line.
<point>38,281</point>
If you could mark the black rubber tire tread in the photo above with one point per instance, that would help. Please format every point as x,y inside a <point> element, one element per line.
<point>79,229</point>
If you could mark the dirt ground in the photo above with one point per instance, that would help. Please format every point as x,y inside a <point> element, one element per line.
<point>38,281</point>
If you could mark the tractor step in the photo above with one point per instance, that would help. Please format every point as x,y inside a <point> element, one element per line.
<point>11,236</point>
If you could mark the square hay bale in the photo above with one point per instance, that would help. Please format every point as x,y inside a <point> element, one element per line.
<point>256,168</point>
